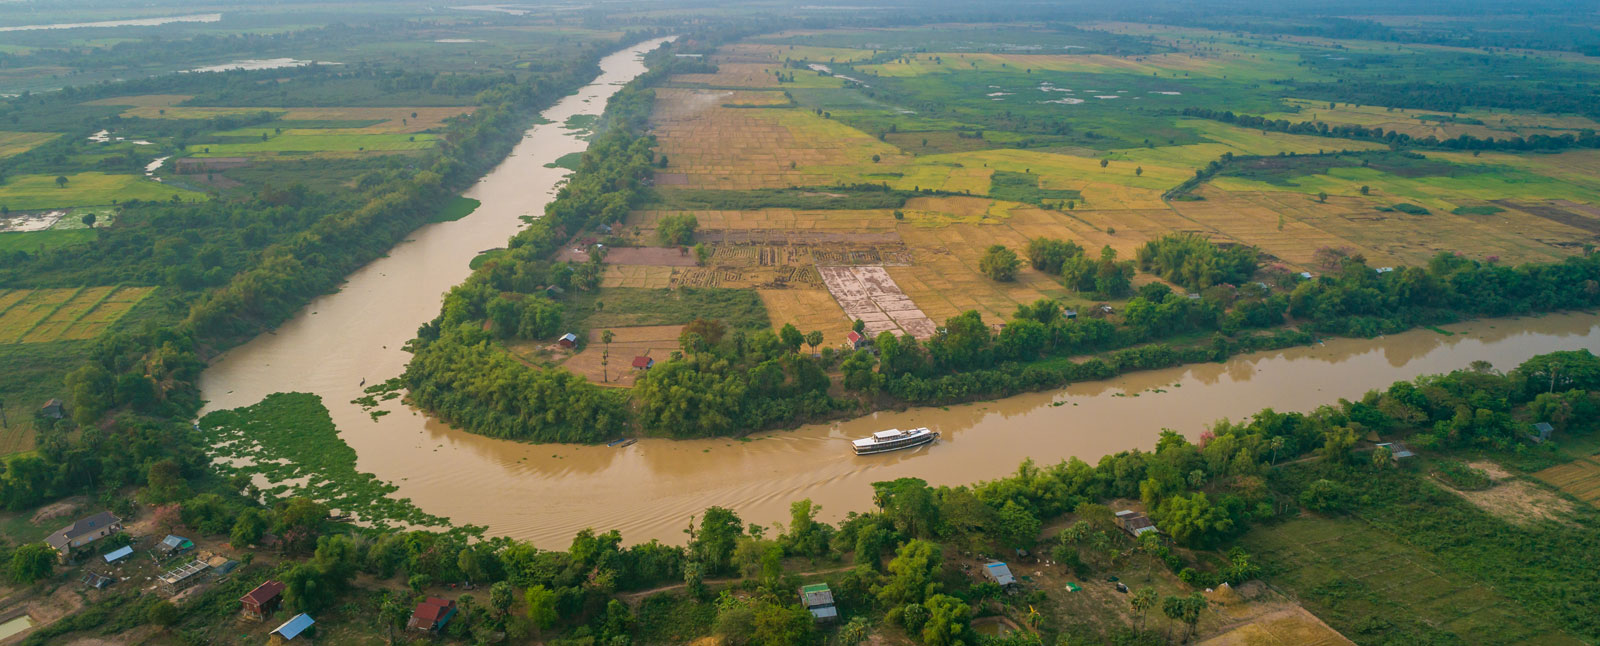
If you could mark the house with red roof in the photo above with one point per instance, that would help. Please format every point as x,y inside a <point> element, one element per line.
<point>432,614</point>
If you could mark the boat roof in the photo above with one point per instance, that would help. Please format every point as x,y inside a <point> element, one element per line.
<point>891,433</point>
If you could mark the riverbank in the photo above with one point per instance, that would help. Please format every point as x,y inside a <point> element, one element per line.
<point>546,493</point>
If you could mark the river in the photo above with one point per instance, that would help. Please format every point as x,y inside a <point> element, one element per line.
<point>545,493</point>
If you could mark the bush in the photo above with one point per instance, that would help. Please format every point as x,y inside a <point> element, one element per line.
<point>999,263</point>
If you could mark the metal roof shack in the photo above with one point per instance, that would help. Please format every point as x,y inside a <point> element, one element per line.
<point>1541,432</point>
<point>1397,451</point>
<point>173,544</point>
<point>568,340</point>
<point>84,532</point>
<point>118,554</point>
<point>293,629</point>
<point>999,573</point>
<point>1135,523</point>
<point>818,599</point>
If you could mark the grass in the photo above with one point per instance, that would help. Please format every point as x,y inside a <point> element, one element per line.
<point>568,161</point>
<point>303,142</point>
<point>1377,590</point>
<point>16,143</point>
<point>290,438</point>
<point>627,307</point>
<point>39,192</point>
<point>45,315</point>
<point>33,241</point>
<point>458,208</point>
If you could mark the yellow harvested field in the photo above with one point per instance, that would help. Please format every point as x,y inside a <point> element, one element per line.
<point>655,341</point>
<point>16,143</point>
<point>945,280</point>
<point>709,146</point>
<point>394,120</point>
<point>1414,122</point>
<point>144,100</point>
<point>1386,238</point>
<point>44,315</point>
<point>769,53</point>
<point>1580,479</point>
<point>807,309</point>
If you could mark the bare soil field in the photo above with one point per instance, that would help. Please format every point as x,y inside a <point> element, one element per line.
<point>656,341</point>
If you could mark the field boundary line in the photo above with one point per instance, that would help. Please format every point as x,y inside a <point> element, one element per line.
<point>49,314</point>
<point>15,303</point>
<point>103,298</point>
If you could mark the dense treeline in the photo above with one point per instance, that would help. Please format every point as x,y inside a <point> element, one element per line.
<point>1195,263</point>
<point>1554,98</point>
<point>1532,142</point>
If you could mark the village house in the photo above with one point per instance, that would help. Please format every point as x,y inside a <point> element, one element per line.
<point>53,409</point>
<point>856,340</point>
<point>262,601</point>
<point>432,614</point>
<point>296,631</point>
<point>84,532</point>
<point>568,340</point>
<point>643,363</point>
<point>1134,523</point>
<point>818,600</point>
<point>174,544</point>
<point>1541,432</point>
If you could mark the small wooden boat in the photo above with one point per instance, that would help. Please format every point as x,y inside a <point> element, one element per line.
<point>893,440</point>
<point>621,442</point>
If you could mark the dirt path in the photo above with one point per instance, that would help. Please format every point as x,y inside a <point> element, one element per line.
<point>633,598</point>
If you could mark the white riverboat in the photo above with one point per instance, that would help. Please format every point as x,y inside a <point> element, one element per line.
<point>893,440</point>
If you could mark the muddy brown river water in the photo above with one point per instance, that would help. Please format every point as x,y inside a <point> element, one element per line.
<point>545,493</point>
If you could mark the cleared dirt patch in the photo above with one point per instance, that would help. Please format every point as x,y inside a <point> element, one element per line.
<point>655,341</point>
<point>869,294</point>
<point>1518,501</point>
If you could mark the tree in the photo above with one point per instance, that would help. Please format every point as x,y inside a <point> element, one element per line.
<point>61,181</point>
<point>501,595</point>
<point>947,621</point>
<point>393,614</point>
<point>676,230</point>
<point>1138,171</point>
<point>1366,190</point>
<point>248,528</point>
<point>161,613</point>
<point>1322,197</point>
<point>814,339</point>
<point>1017,527</point>
<point>876,159</point>
<point>605,354</point>
<point>32,562</point>
<point>541,606</point>
<point>88,219</point>
<point>1142,601</point>
<point>1186,610</point>
<point>791,337</point>
<point>1104,163</point>
<point>999,263</point>
<point>913,574</point>
<point>712,544</point>
<point>702,254</point>
<point>859,326</point>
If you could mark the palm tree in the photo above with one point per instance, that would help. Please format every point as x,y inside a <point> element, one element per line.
<point>605,355</point>
<point>1142,601</point>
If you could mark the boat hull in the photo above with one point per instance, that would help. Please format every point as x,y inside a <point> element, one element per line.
<point>887,447</point>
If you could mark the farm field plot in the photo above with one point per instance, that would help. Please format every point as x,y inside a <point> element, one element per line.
<point>1292,226</point>
<point>1425,123</point>
<point>385,120</point>
<point>1350,573</point>
<point>1580,478</point>
<point>807,309</point>
<point>39,192</point>
<point>945,280</point>
<point>870,295</point>
<point>659,277</point>
<point>709,146</point>
<point>44,315</point>
<point>310,141</point>
<point>869,224</point>
<point>16,143</point>
<point>654,341</point>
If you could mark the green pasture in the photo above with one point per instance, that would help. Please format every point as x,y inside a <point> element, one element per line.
<point>1472,186</point>
<point>1375,589</point>
<point>38,192</point>
<point>1029,39</point>
<point>303,142</point>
